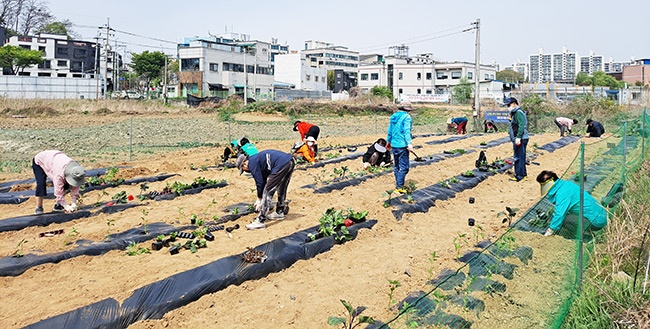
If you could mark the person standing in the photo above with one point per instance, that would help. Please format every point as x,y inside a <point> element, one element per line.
<point>399,142</point>
<point>594,128</point>
<point>65,174</point>
<point>565,124</point>
<point>565,196</point>
<point>271,170</point>
<point>460,123</point>
<point>519,137</point>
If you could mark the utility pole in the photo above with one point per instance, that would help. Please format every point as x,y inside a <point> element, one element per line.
<point>97,66</point>
<point>477,69</point>
<point>245,76</point>
<point>165,81</point>
<point>106,49</point>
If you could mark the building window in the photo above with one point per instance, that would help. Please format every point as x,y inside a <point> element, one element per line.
<point>189,88</point>
<point>491,76</point>
<point>26,47</point>
<point>76,66</point>
<point>308,77</point>
<point>374,76</point>
<point>24,74</point>
<point>214,67</point>
<point>316,78</point>
<point>470,75</point>
<point>62,51</point>
<point>44,74</point>
<point>487,77</point>
<point>45,65</point>
<point>429,75</point>
<point>79,53</point>
<point>364,76</point>
<point>400,76</point>
<point>419,91</point>
<point>442,75</point>
<point>61,75</point>
<point>400,91</point>
<point>419,76</point>
<point>41,49</point>
<point>62,63</point>
<point>429,92</point>
<point>190,64</point>
<point>456,74</point>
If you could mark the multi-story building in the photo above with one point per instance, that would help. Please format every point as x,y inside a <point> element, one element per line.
<point>331,57</point>
<point>419,75</point>
<point>224,65</point>
<point>558,67</point>
<point>592,63</point>
<point>614,67</point>
<point>293,69</point>
<point>638,71</point>
<point>519,67</point>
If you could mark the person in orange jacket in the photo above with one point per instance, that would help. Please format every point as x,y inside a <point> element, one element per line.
<point>306,151</point>
<point>307,129</point>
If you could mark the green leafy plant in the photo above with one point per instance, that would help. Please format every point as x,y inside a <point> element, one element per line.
<point>72,234</point>
<point>477,232</point>
<point>356,216</point>
<point>235,211</point>
<point>444,184</point>
<point>19,248</point>
<point>133,250</point>
<point>339,173</point>
<point>392,285</point>
<point>459,243</point>
<point>453,180</point>
<point>433,258</point>
<point>458,151</point>
<point>468,173</point>
<point>143,188</point>
<point>348,322</point>
<point>120,197</point>
<point>109,223</point>
<point>250,208</point>
<point>410,187</point>
<point>98,203</point>
<point>483,143</point>
<point>110,177</point>
<point>389,194</point>
<point>332,223</point>
<point>143,218</point>
<point>506,243</point>
<point>510,213</point>
<point>200,232</point>
<point>160,238</point>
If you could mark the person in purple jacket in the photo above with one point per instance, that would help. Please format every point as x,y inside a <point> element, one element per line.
<point>65,174</point>
<point>272,171</point>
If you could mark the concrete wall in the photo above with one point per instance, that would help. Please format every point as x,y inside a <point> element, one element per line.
<point>49,87</point>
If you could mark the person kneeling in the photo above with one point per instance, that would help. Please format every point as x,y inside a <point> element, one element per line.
<point>377,155</point>
<point>305,151</point>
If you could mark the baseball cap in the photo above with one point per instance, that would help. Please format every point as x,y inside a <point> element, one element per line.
<point>511,100</point>
<point>75,174</point>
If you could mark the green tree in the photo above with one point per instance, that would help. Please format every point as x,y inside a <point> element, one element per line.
<point>382,91</point>
<point>148,65</point>
<point>535,106</point>
<point>583,79</point>
<point>601,78</point>
<point>63,27</point>
<point>16,59</point>
<point>463,91</point>
<point>510,76</point>
<point>330,80</point>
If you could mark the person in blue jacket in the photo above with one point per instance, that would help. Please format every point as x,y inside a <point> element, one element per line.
<point>272,172</point>
<point>399,142</point>
<point>565,196</point>
<point>460,123</point>
<point>519,137</point>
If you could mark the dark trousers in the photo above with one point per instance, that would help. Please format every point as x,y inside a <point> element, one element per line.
<point>520,159</point>
<point>41,177</point>
<point>562,128</point>
<point>278,182</point>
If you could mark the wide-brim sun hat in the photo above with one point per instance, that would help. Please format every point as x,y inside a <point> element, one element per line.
<point>380,148</point>
<point>546,186</point>
<point>240,162</point>
<point>406,107</point>
<point>75,174</point>
<point>449,121</point>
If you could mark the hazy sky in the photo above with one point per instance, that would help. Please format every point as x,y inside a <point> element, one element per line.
<point>510,30</point>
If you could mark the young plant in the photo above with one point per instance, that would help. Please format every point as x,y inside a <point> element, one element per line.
<point>507,243</point>
<point>468,173</point>
<point>143,188</point>
<point>453,180</point>
<point>98,203</point>
<point>72,234</point>
<point>348,322</point>
<point>143,218</point>
<point>410,187</point>
<point>19,248</point>
<point>389,194</point>
<point>160,238</point>
<point>180,213</point>
<point>478,233</point>
<point>459,242</point>
<point>433,258</point>
<point>483,143</point>
<point>392,285</point>
<point>510,213</point>
<point>444,184</point>
<point>133,250</point>
<point>235,211</point>
<point>120,197</point>
<point>109,223</point>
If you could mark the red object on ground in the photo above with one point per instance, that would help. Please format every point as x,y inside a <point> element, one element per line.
<point>348,222</point>
<point>508,161</point>
<point>130,198</point>
<point>110,204</point>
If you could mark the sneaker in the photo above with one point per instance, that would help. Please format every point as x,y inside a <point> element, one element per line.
<point>255,224</point>
<point>515,179</point>
<point>400,190</point>
<point>38,211</point>
<point>275,216</point>
<point>58,208</point>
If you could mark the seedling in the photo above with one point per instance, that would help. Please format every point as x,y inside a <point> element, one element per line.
<point>348,322</point>
<point>98,203</point>
<point>109,222</point>
<point>133,250</point>
<point>392,285</point>
<point>160,238</point>
<point>478,233</point>
<point>120,197</point>
<point>19,248</point>
<point>444,184</point>
<point>510,213</point>
<point>235,211</point>
<point>143,188</point>
<point>483,143</point>
<point>72,234</point>
<point>459,242</point>
<point>468,173</point>
<point>453,180</point>
<point>506,243</point>
<point>250,208</point>
<point>143,218</point>
<point>389,194</point>
<point>200,232</point>
<point>410,187</point>
<point>433,257</point>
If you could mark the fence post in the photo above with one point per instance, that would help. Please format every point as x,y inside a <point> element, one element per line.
<point>624,147</point>
<point>581,214</point>
<point>131,141</point>
<point>643,135</point>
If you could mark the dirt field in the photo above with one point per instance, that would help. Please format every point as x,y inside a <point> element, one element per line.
<point>307,293</point>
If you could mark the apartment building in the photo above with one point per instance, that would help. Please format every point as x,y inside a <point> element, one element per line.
<point>521,68</point>
<point>592,63</point>
<point>225,64</point>
<point>558,67</point>
<point>332,57</point>
<point>294,69</point>
<point>638,71</point>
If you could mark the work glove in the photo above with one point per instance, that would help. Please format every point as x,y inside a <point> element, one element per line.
<point>366,165</point>
<point>549,232</point>
<point>518,141</point>
<point>382,164</point>
<point>74,206</point>
<point>69,208</point>
<point>258,204</point>
<point>410,147</point>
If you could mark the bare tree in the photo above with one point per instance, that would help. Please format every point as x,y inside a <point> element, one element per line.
<point>8,12</point>
<point>34,15</point>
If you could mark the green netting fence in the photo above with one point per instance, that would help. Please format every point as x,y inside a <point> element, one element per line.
<point>524,279</point>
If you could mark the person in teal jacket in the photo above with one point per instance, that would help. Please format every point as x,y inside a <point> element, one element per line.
<point>399,142</point>
<point>565,196</point>
<point>239,146</point>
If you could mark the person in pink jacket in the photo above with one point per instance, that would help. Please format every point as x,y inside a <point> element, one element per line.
<point>65,174</point>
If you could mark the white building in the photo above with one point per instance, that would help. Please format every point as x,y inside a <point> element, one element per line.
<point>419,77</point>
<point>614,67</point>
<point>592,63</point>
<point>519,67</point>
<point>294,69</point>
<point>558,67</point>
<point>225,65</point>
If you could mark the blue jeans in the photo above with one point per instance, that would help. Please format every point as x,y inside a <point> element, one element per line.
<point>401,167</point>
<point>520,159</point>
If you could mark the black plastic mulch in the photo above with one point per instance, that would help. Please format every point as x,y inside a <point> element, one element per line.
<point>154,300</point>
<point>189,191</point>
<point>6,186</point>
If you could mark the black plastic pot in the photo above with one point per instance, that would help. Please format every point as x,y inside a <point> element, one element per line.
<point>208,236</point>
<point>167,242</point>
<point>157,245</point>
<point>470,222</point>
<point>232,228</point>
<point>471,200</point>
<point>193,221</point>
<point>174,250</point>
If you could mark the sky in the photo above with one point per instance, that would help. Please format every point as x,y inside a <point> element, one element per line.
<point>509,30</point>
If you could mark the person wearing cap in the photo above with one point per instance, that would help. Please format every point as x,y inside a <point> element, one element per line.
<point>306,129</point>
<point>306,151</point>
<point>594,128</point>
<point>376,155</point>
<point>489,126</point>
<point>519,137</point>
<point>399,142</point>
<point>565,196</point>
<point>239,146</point>
<point>460,123</point>
<point>565,124</point>
<point>271,170</point>
<point>64,172</point>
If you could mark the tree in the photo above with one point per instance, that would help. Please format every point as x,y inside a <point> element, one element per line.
<point>382,91</point>
<point>330,80</point>
<point>24,16</point>
<point>148,65</point>
<point>583,79</point>
<point>63,27</point>
<point>510,76</point>
<point>16,59</point>
<point>600,79</point>
<point>463,91</point>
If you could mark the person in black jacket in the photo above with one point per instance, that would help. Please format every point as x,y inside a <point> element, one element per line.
<point>594,128</point>
<point>377,155</point>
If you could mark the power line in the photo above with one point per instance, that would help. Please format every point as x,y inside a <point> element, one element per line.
<point>145,37</point>
<point>381,46</point>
